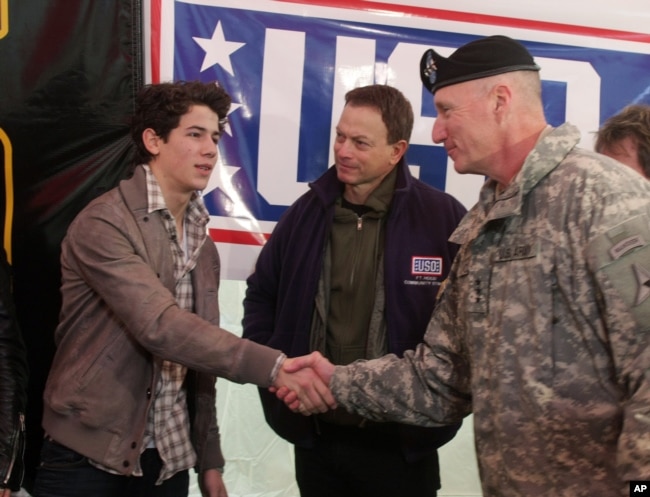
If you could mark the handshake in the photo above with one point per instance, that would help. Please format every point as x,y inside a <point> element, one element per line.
<point>303,384</point>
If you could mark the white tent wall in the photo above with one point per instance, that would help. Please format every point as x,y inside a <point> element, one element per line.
<point>260,464</point>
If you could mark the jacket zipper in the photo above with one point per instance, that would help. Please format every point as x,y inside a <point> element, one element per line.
<point>356,252</point>
<point>16,448</point>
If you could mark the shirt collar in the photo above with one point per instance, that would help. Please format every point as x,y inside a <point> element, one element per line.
<point>156,201</point>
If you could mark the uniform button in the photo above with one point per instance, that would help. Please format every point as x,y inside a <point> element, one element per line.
<point>133,445</point>
<point>148,393</point>
<point>126,464</point>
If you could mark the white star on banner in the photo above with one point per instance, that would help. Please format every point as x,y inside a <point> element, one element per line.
<point>217,50</point>
<point>222,178</point>
<point>233,107</point>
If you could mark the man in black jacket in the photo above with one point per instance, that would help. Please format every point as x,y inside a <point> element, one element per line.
<point>13,388</point>
<point>352,270</point>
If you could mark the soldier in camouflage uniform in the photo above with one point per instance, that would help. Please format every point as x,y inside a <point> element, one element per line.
<point>542,329</point>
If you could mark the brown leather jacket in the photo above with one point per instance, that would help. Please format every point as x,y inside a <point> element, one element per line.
<point>119,318</point>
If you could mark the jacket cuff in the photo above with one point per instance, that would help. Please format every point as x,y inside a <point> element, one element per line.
<point>276,368</point>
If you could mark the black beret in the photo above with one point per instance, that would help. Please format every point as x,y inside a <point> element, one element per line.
<point>477,59</point>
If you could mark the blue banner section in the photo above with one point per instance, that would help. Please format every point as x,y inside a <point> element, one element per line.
<point>241,47</point>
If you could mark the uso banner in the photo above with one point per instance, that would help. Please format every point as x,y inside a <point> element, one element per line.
<point>288,65</point>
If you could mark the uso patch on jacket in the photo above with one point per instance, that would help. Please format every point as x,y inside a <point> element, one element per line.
<point>425,270</point>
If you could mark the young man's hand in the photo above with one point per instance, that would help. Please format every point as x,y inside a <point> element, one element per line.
<point>302,384</point>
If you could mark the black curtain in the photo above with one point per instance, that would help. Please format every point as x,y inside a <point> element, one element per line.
<point>68,73</point>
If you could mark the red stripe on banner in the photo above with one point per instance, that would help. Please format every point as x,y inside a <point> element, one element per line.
<point>238,237</point>
<point>450,15</point>
<point>156,29</point>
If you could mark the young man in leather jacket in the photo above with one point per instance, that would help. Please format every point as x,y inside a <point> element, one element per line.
<point>129,404</point>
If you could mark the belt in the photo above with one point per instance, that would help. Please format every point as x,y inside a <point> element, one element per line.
<point>325,426</point>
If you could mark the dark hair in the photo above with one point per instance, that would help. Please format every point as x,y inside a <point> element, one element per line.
<point>160,107</point>
<point>632,121</point>
<point>395,109</point>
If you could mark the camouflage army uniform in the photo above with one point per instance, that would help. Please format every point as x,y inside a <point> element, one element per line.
<point>542,332</point>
